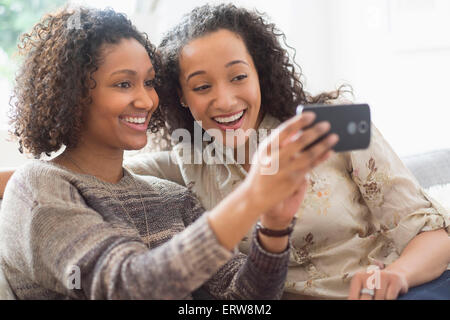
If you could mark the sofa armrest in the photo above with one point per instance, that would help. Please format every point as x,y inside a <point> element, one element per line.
<point>431,168</point>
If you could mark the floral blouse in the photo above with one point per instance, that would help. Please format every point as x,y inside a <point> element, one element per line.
<point>361,210</point>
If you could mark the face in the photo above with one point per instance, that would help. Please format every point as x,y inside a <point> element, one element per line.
<point>220,84</point>
<point>124,98</point>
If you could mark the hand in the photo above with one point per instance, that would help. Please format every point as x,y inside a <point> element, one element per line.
<point>280,217</point>
<point>388,285</point>
<point>281,163</point>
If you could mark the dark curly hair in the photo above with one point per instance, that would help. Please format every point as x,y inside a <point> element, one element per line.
<point>281,88</point>
<point>53,86</point>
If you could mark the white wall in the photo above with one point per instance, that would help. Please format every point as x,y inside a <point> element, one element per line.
<point>396,53</point>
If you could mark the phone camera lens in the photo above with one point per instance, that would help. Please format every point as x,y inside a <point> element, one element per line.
<point>352,128</point>
<point>363,127</point>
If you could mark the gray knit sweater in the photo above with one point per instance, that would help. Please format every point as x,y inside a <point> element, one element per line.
<point>65,236</point>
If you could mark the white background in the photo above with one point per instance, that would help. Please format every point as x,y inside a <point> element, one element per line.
<point>394,53</point>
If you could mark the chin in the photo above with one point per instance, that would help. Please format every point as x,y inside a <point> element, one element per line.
<point>135,146</point>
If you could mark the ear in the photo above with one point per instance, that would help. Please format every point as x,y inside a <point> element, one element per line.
<point>182,100</point>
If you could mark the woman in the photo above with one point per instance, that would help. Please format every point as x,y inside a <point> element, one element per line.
<point>362,209</point>
<point>82,227</point>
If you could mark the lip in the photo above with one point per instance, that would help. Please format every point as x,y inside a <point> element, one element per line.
<point>141,127</point>
<point>236,126</point>
<point>135,115</point>
<point>228,115</point>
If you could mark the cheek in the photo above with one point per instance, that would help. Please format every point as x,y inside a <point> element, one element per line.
<point>198,107</point>
<point>109,104</point>
<point>254,96</point>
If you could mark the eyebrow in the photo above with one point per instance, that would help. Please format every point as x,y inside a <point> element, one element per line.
<point>195,74</point>
<point>129,72</point>
<point>232,63</point>
<point>229,64</point>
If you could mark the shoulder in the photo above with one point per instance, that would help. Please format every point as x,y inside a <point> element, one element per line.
<point>158,184</point>
<point>161,164</point>
<point>163,188</point>
<point>143,161</point>
<point>38,172</point>
<point>170,196</point>
<point>40,181</point>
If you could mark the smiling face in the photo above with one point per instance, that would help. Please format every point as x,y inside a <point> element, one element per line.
<point>123,99</point>
<point>219,82</point>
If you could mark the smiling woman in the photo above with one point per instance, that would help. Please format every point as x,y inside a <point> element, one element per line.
<point>220,83</point>
<point>123,100</point>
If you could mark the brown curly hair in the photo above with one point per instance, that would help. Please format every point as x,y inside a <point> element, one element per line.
<point>281,88</point>
<point>53,86</point>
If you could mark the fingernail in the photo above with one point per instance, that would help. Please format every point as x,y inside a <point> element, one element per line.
<point>324,126</point>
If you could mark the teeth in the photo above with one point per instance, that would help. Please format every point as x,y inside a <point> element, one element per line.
<point>229,119</point>
<point>135,120</point>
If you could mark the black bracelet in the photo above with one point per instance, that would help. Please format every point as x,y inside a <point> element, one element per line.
<point>276,233</point>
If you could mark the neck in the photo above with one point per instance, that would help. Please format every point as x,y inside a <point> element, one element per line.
<point>248,150</point>
<point>103,163</point>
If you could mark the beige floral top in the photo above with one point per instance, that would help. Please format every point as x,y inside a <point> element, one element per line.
<point>361,210</point>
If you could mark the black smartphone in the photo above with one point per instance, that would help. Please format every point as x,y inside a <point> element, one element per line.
<point>352,123</point>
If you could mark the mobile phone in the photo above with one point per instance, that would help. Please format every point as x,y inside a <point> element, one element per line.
<point>352,123</point>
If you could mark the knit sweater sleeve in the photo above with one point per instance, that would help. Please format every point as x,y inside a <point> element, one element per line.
<point>259,276</point>
<point>50,234</point>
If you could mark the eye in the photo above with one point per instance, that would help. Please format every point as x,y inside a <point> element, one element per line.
<point>150,83</point>
<point>202,88</point>
<point>124,85</point>
<point>240,77</point>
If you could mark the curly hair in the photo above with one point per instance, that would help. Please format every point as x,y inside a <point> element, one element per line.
<point>281,87</point>
<point>53,86</point>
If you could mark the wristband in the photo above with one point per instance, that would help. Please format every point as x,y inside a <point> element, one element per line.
<point>276,233</point>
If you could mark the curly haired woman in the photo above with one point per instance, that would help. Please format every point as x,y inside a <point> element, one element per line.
<point>82,227</point>
<point>225,69</point>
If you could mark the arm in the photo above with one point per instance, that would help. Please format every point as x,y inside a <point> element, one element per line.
<point>262,274</point>
<point>5,175</point>
<point>263,190</point>
<point>424,259</point>
<point>258,276</point>
<point>404,216</point>
<point>48,229</point>
<point>113,262</point>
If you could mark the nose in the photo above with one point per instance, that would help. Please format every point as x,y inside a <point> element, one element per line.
<point>225,98</point>
<point>146,99</point>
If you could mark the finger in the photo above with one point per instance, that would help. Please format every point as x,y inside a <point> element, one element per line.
<point>327,155</point>
<point>305,138</point>
<point>355,288</point>
<point>380,293</point>
<point>307,160</point>
<point>366,297</point>
<point>293,126</point>
<point>393,291</point>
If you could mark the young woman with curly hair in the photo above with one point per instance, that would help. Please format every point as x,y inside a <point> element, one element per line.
<point>224,69</point>
<point>81,227</point>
